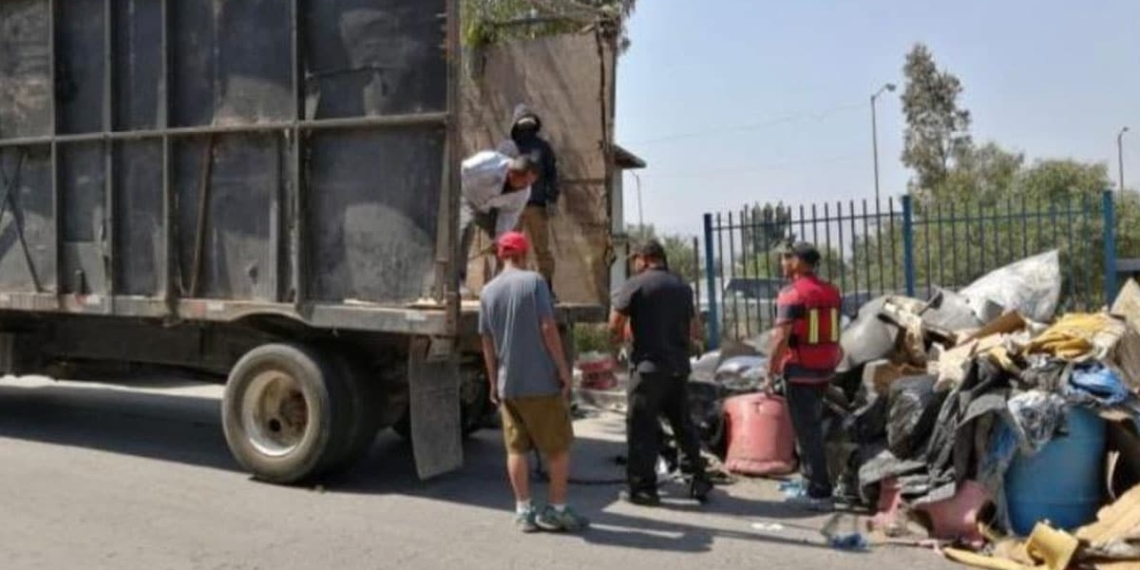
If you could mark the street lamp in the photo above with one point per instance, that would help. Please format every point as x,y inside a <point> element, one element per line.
<point>1120,154</point>
<point>875,133</point>
<point>640,216</point>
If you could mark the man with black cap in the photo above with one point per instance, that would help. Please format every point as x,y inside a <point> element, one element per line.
<point>804,352</point>
<point>658,305</point>
<point>542,206</point>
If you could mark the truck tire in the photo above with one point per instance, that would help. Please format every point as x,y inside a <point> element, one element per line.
<point>365,396</point>
<point>287,413</point>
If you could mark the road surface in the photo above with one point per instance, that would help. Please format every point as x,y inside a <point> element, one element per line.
<point>104,477</point>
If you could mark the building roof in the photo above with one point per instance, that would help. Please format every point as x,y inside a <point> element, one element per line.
<point>626,160</point>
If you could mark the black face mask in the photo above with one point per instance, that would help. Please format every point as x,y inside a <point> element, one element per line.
<point>526,132</point>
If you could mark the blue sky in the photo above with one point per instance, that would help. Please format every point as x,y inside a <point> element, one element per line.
<point>740,101</point>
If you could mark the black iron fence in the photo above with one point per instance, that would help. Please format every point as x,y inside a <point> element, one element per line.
<point>905,246</point>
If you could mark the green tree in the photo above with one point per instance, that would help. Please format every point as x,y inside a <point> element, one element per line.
<point>489,21</point>
<point>937,133</point>
<point>766,227</point>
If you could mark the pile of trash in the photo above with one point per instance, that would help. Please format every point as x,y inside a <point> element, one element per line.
<point>974,417</point>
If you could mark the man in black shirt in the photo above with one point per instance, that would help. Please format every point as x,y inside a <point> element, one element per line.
<point>659,307</point>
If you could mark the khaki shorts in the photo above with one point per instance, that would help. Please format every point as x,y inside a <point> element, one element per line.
<point>541,422</point>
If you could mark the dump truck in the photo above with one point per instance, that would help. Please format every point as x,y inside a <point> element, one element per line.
<point>259,192</point>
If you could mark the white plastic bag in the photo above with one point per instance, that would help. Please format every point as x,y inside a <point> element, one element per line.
<point>1031,287</point>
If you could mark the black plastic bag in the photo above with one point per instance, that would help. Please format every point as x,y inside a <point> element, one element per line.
<point>914,408</point>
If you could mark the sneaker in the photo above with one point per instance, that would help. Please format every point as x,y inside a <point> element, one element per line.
<point>566,521</point>
<point>642,498</point>
<point>525,522</point>
<point>815,504</point>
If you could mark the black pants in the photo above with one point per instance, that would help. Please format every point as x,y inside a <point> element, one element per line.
<point>805,405</point>
<point>652,396</point>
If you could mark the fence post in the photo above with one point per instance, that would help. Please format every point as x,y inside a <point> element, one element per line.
<point>908,244</point>
<point>1109,213</point>
<point>697,276</point>
<point>712,327</point>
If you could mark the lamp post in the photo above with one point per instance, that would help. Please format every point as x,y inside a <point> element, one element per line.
<point>875,133</point>
<point>640,215</point>
<point>1120,154</point>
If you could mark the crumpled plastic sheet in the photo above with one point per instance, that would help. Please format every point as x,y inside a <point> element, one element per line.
<point>884,466</point>
<point>1096,386</point>
<point>1045,372</point>
<point>867,338</point>
<point>1031,287</point>
<point>950,311</point>
<point>914,407</point>
<point>704,368</point>
<point>1038,416</point>
<point>961,433</point>
<point>742,372</point>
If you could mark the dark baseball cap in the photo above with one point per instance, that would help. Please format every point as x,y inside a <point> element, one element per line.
<point>805,251</point>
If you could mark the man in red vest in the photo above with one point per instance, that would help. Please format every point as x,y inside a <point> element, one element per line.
<point>804,352</point>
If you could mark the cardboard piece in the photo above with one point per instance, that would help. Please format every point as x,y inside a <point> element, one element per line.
<point>1127,303</point>
<point>1056,548</point>
<point>981,561</point>
<point>1125,357</point>
<point>880,374</point>
<point>1008,323</point>
<point>954,364</point>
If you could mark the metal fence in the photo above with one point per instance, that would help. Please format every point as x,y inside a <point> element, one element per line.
<point>906,246</point>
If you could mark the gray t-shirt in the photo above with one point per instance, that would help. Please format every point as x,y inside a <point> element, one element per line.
<point>511,310</point>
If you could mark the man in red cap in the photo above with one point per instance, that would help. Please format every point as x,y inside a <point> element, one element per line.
<point>530,382</point>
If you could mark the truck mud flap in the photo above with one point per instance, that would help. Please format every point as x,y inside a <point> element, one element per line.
<point>437,439</point>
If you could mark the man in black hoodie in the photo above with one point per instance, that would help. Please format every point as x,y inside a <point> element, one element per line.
<point>525,128</point>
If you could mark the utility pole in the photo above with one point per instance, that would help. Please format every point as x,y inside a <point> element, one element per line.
<point>875,133</point>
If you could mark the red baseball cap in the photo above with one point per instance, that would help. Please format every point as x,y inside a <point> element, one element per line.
<point>513,243</point>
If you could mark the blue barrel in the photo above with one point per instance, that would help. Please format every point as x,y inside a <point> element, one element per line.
<point>1064,482</point>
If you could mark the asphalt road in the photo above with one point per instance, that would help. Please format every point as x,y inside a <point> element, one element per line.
<point>98,477</point>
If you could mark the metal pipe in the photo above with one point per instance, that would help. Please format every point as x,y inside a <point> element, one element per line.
<point>409,120</point>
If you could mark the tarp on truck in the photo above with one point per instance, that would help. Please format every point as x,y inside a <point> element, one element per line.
<point>568,80</point>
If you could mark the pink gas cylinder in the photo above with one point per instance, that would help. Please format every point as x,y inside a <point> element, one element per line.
<point>760,436</point>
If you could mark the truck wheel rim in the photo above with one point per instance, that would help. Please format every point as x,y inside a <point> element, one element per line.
<point>275,414</point>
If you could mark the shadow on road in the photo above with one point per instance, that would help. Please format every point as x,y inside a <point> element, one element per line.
<point>187,430</point>
<point>180,429</point>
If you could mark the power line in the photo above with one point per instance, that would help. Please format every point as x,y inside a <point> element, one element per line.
<point>700,172</point>
<point>786,119</point>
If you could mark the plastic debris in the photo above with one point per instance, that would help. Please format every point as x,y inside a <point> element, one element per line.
<point>853,541</point>
<point>1031,287</point>
<point>794,489</point>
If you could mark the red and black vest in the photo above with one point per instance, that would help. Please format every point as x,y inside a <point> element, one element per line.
<point>812,307</point>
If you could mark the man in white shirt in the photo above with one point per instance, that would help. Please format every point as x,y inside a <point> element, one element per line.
<point>495,190</point>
